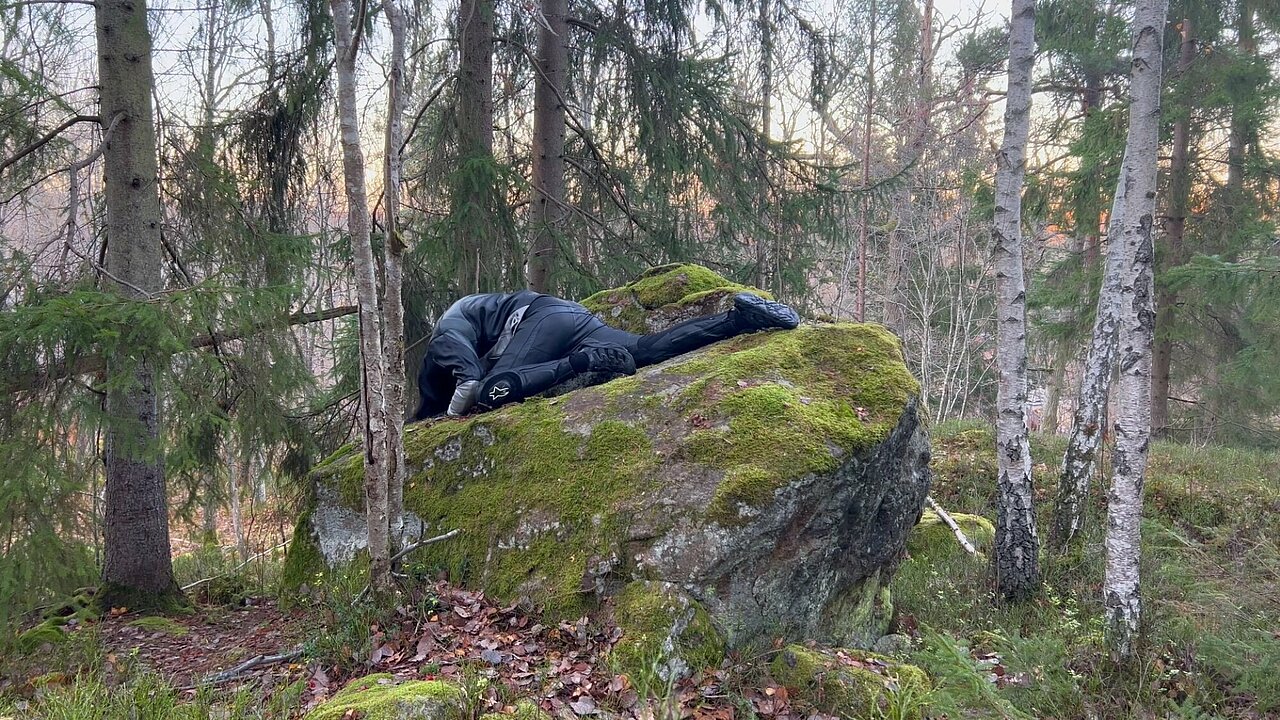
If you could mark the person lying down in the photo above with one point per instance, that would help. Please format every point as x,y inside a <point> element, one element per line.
<point>493,349</point>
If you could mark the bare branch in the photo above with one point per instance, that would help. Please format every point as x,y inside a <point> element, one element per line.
<point>47,138</point>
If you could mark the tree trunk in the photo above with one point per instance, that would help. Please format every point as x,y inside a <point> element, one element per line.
<point>237,470</point>
<point>471,205</point>
<point>1173,254</point>
<point>764,242</point>
<point>548,201</point>
<point>137,569</point>
<point>1017,546</point>
<point>1137,331</point>
<point>860,306</point>
<point>1240,132</point>
<point>373,387</point>
<point>393,272</point>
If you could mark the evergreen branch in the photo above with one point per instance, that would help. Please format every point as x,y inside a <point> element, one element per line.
<point>47,139</point>
<point>93,363</point>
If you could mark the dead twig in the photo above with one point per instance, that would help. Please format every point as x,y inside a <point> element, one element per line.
<point>400,555</point>
<point>228,572</point>
<point>250,664</point>
<point>946,518</point>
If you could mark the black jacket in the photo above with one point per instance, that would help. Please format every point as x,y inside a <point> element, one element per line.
<point>462,337</point>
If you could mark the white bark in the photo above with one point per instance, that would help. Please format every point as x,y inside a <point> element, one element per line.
<point>1017,545</point>
<point>1136,313</point>
<point>393,269</point>
<point>1095,383</point>
<point>373,385</point>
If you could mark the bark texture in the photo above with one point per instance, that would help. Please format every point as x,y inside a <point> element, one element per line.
<point>548,202</point>
<point>1087,429</point>
<point>1172,254</point>
<point>393,277</point>
<point>137,560</point>
<point>1016,544</point>
<point>1137,332</point>
<point>372,375</point>
<point>471,204</point>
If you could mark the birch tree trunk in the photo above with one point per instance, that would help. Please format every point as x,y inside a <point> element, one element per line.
<point>137,568</point>
<point>1136,311</point>
<point>393,278</point>
<point>1095,384</point>
<point>1172,254</point>
<point>1017,547</point>
<point>548,201</point>
<point>372,376</point>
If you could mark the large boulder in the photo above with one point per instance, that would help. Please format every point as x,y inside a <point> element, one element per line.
<point>771,480</point>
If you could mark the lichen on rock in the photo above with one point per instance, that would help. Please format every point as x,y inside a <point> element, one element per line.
<point>851,683</point>
<point>772,478</point>
<point>382,697</point>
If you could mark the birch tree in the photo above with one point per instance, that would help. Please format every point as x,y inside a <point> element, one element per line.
<point>372,372</point>
<point>1017,546</point>
<point>393,276</point>
<point>1136,313</point>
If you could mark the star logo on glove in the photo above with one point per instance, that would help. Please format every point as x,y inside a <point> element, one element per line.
<point>499,391</point>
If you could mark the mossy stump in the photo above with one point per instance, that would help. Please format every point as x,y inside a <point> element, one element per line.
<point>851,683</point>
<point>381,697</point>
<point>773,478</point>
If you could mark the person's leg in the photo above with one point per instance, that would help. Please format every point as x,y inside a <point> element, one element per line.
<point>749,313</point>
<point>548,348</point>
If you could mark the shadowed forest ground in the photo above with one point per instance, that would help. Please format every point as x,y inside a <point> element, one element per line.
<point>1211,567</point>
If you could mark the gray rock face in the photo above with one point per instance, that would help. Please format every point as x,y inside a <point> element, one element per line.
<point>772,478</point>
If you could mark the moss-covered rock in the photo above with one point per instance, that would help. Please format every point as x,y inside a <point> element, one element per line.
<point>851,683</point>
<point>665,634</point>
<point>933,540</point>
<point>381,697</point>
<point>664,296</point>
<point>772,477</point>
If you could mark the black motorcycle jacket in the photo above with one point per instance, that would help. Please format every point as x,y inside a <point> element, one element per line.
<point>465,333</point>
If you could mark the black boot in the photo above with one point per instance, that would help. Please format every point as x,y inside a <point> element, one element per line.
<point>756,313</point>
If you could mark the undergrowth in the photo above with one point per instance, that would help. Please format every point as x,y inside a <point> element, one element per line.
<point>1211,564</point>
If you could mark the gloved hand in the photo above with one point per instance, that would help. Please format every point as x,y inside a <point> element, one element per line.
<point>463,398</point>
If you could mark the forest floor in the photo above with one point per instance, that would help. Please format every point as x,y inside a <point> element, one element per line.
<point>1212,617</point>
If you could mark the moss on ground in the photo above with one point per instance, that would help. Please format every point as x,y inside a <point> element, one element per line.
<point>380,697</point>
<point>157,623</point>
<point>932,539</point>
<point>664,632</point>
<point>851,683</point>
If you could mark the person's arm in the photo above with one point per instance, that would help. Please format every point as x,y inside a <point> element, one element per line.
<point>454,351</point>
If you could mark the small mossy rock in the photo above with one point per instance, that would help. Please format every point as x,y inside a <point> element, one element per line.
<point>665,634</point>
<point>932,540</point>
<point>664,296</point>
<point>381,697</point>
<point>851,683</point>
<point>772,477</point>
<point>524,709</point>
<point>49,631</point>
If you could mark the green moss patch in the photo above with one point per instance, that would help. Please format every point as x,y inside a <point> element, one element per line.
<point>781,405</point>
<point>851,683</point>
<point>156,623</point>
<point>665,634</point>
<point>932,539</point>
<point>380,697</point>
<point>667,287</point>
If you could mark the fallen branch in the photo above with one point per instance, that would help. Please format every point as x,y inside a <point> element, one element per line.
<point>950,522</point>
<point>250,664</point>
<point>398,556</point>
<point>234,569</point>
